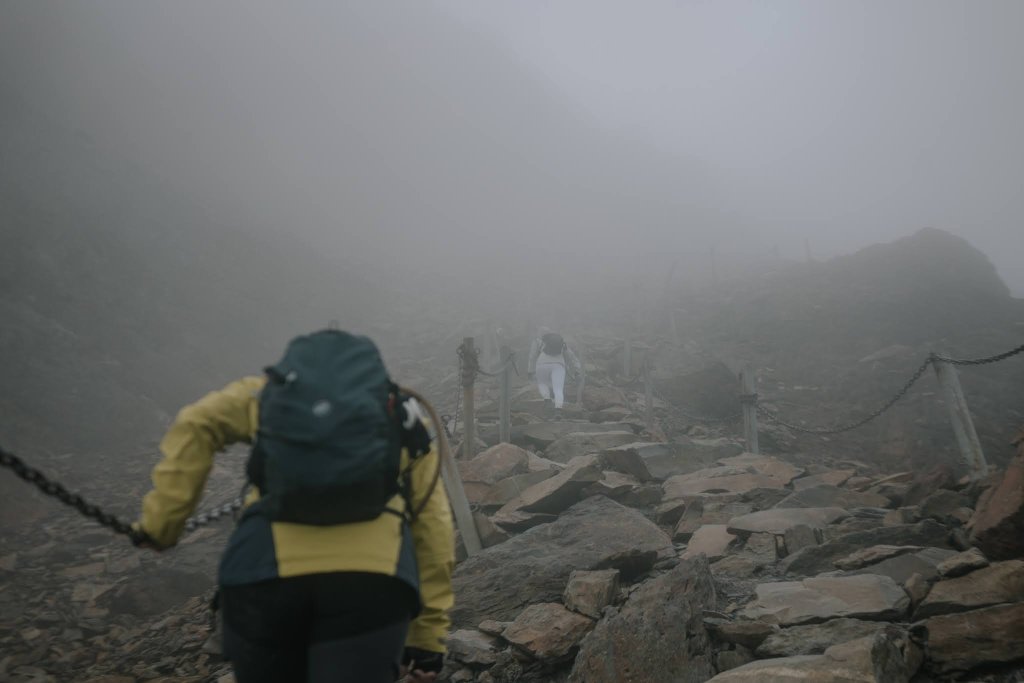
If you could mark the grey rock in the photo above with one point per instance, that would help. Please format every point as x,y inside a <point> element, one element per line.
<point>832,496</point>
<point>631,644</point>
<point>596,533</point>
<point>813,639</point>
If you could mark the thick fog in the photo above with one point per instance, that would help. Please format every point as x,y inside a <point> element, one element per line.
<point>521,140</point>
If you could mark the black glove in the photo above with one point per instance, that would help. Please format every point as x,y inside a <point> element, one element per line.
<point>426,661</point>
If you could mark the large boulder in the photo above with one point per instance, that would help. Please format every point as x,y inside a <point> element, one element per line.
<point>1000,582</point>
<point>779,470</point>
<point>548,631</point>
<point>554,494</point>
<point>828,597</point>
<point>825,495</point>
<point>997,526</point>
<point>575,444</point>
<point>658,635</point>
<point>779,521</point>
<point>820,558</point>
<point>494,464</point>
<point>884,657</point>
<point>721,479</point>
<point>961,642</point>
<point>542,434</point>
<point>596,533</point>
<point>813,639</point>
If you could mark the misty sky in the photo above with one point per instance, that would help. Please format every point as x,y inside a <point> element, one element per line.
<point>606,129</point>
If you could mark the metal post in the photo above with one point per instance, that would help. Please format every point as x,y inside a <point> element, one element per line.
<point>627,358</point>
<point>748,392</point>
<point>469,368</point>
<point>505,395</point>
<point>648,395</point>
<point>960,416</point>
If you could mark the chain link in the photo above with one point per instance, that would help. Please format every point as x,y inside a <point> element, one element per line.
<point>210,516</point>
<point>458,404</point>
<point>56,490</point>
<point>932,358</point>
<point>510,362</point>
<point>980,361</point>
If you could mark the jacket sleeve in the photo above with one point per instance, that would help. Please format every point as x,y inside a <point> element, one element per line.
<point>434,537</point>
<point>200,430</point>
<point>535,347</point>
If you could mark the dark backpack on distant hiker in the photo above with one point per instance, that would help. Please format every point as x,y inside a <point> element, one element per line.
<point>329,445</point>
<point>552,344</point>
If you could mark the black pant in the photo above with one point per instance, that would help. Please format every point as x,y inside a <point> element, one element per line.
<point>321,628</point>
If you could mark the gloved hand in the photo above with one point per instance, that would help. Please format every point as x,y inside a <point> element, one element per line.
<point>415,660</point>
<point>140,539</point>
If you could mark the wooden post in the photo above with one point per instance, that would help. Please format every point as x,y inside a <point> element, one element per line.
<point>469,368</point>
<point>748,389</point>
<point>648,395</point>
<point>960,416</point>
<point>505,395</point>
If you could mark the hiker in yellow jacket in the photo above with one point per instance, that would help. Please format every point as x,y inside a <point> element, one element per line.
<point>313,603</point>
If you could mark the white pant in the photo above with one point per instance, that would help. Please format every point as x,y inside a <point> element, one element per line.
<point>551,377</point>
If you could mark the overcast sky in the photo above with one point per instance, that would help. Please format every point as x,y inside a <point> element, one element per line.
<point>588,126</point>
<point>844,122</point>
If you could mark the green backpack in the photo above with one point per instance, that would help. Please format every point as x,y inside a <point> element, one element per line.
<point>328,450</point>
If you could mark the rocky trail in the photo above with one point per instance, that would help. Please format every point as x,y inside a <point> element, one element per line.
<point>614,551</point>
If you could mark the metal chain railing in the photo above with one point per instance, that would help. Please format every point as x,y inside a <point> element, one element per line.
<point>510,362</point>
<point>214,515</point>
<point>56,490</point>
<point>453,418</point>
<point>60,492</point>
<point>979,361</point>
<point>773,417</point>
<point>930,360</point>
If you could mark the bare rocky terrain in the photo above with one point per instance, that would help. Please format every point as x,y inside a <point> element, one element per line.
<point>618,548</point>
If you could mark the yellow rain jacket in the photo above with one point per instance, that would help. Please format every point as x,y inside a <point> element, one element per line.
<point>421,554</point>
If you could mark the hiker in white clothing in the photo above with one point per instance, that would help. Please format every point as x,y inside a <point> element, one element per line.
<point>548,357</point>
